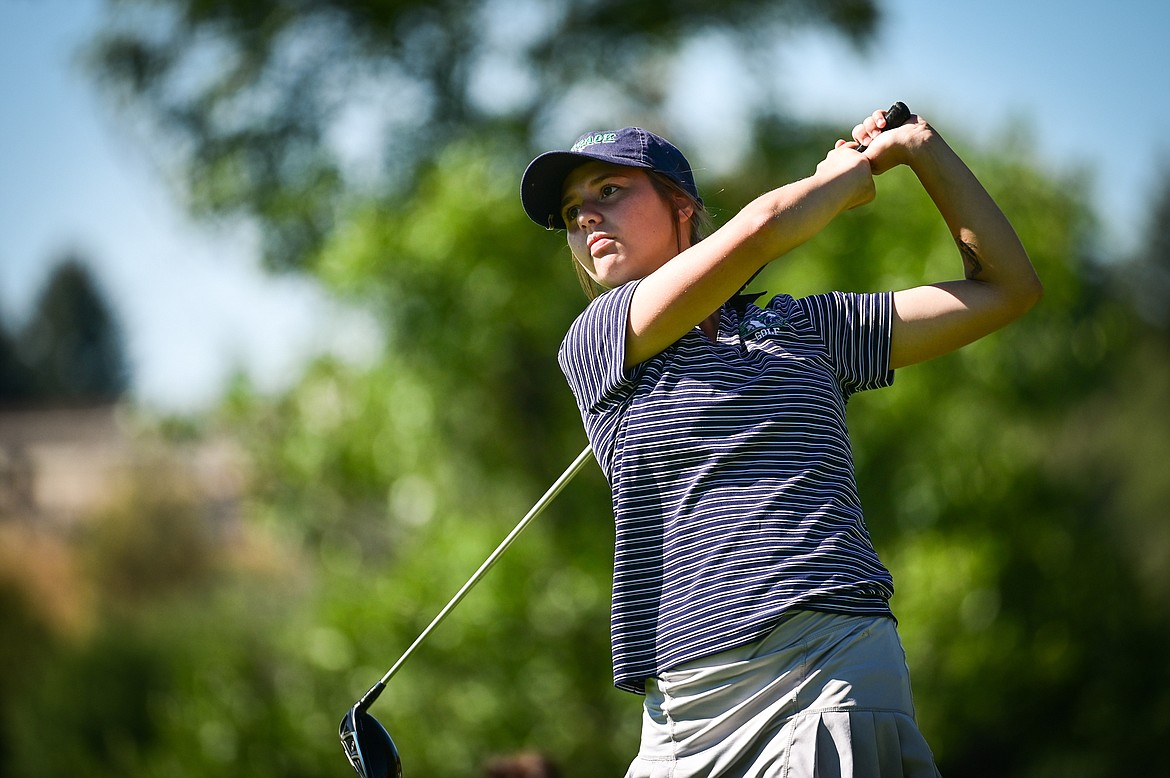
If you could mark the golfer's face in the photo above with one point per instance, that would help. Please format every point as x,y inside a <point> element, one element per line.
<point>619,227</point>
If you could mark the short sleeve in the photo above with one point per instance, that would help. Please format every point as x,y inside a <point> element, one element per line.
<point>593,353</point>
<point>856,331</point>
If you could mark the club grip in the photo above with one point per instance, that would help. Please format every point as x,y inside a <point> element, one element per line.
<point>895,117</point>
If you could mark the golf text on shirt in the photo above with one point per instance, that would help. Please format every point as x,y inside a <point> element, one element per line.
<point>762,323</point>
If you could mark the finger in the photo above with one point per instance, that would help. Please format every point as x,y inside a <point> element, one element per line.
<point>864,133</point>
<point>870,128</point>
<point>897,115</point>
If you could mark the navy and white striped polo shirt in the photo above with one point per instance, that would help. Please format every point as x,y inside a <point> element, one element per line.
<point>732,477</point>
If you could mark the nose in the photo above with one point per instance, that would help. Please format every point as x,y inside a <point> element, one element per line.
<point>588,214</point>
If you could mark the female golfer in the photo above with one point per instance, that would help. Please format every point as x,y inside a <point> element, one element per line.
<point>749,605</point>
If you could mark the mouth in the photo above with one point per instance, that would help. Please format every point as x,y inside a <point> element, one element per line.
<point>599,243</point>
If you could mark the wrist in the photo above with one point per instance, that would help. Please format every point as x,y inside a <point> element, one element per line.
<point>847,182</point>
<point>926,149</point>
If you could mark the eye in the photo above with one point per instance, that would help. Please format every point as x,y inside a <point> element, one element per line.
<point>607,190</point>
<point>570,213</point>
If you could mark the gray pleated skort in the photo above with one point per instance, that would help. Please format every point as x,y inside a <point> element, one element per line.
<point>823,695</point>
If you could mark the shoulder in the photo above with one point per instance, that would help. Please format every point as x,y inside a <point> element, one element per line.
<point>846,309</point>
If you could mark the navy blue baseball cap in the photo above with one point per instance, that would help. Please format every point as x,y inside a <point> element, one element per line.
<point>540,188</point>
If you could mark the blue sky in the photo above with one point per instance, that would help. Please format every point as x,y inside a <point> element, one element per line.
<point>1089,81</point>
<point>192,302</point>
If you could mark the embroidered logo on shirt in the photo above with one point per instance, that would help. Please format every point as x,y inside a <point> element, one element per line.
<point>759,323</point>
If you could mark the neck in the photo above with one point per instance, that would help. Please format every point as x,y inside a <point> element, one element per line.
<point>710,326</point>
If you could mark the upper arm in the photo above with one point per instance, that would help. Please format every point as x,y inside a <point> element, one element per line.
<point>930,321</point>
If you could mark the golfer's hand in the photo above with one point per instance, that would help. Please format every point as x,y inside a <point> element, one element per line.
<point>888,149</point>
<point>848,173</point>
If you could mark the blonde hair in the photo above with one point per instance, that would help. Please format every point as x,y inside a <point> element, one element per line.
<point>670,191</point>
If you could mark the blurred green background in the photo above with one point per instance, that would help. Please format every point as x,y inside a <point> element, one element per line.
<point>262,562</point>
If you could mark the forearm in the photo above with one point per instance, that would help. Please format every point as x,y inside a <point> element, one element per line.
<point>990,250</point>
<point>691,286</point>
<point>999,283</point>
<point>786,218</point>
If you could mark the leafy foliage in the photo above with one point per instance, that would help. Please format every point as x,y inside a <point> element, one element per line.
<point>279,111</point>
<point>1015,488</point>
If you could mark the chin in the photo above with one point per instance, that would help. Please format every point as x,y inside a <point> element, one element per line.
<point>611,279</point>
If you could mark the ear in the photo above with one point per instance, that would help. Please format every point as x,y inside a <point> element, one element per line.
<point>684,208</point>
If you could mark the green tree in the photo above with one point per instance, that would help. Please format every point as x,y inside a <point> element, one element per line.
<point>16,381</point>
<point>975,494</point>
<point>256,100</point>
<point>1006,486</point>
<point>72,345</point>
<point>1013,487</point>
<point>1021,605</point>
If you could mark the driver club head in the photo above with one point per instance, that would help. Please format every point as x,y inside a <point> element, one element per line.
<point>368,745</point>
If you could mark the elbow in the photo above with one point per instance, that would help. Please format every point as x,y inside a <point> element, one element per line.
<point>1024,287</point>
<point>1024,296</point>
<point>1033,292</point>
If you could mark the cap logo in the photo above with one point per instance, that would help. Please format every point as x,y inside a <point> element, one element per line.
<point>594,139</point>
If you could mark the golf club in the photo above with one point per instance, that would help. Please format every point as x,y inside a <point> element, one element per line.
<point>367,744</point>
